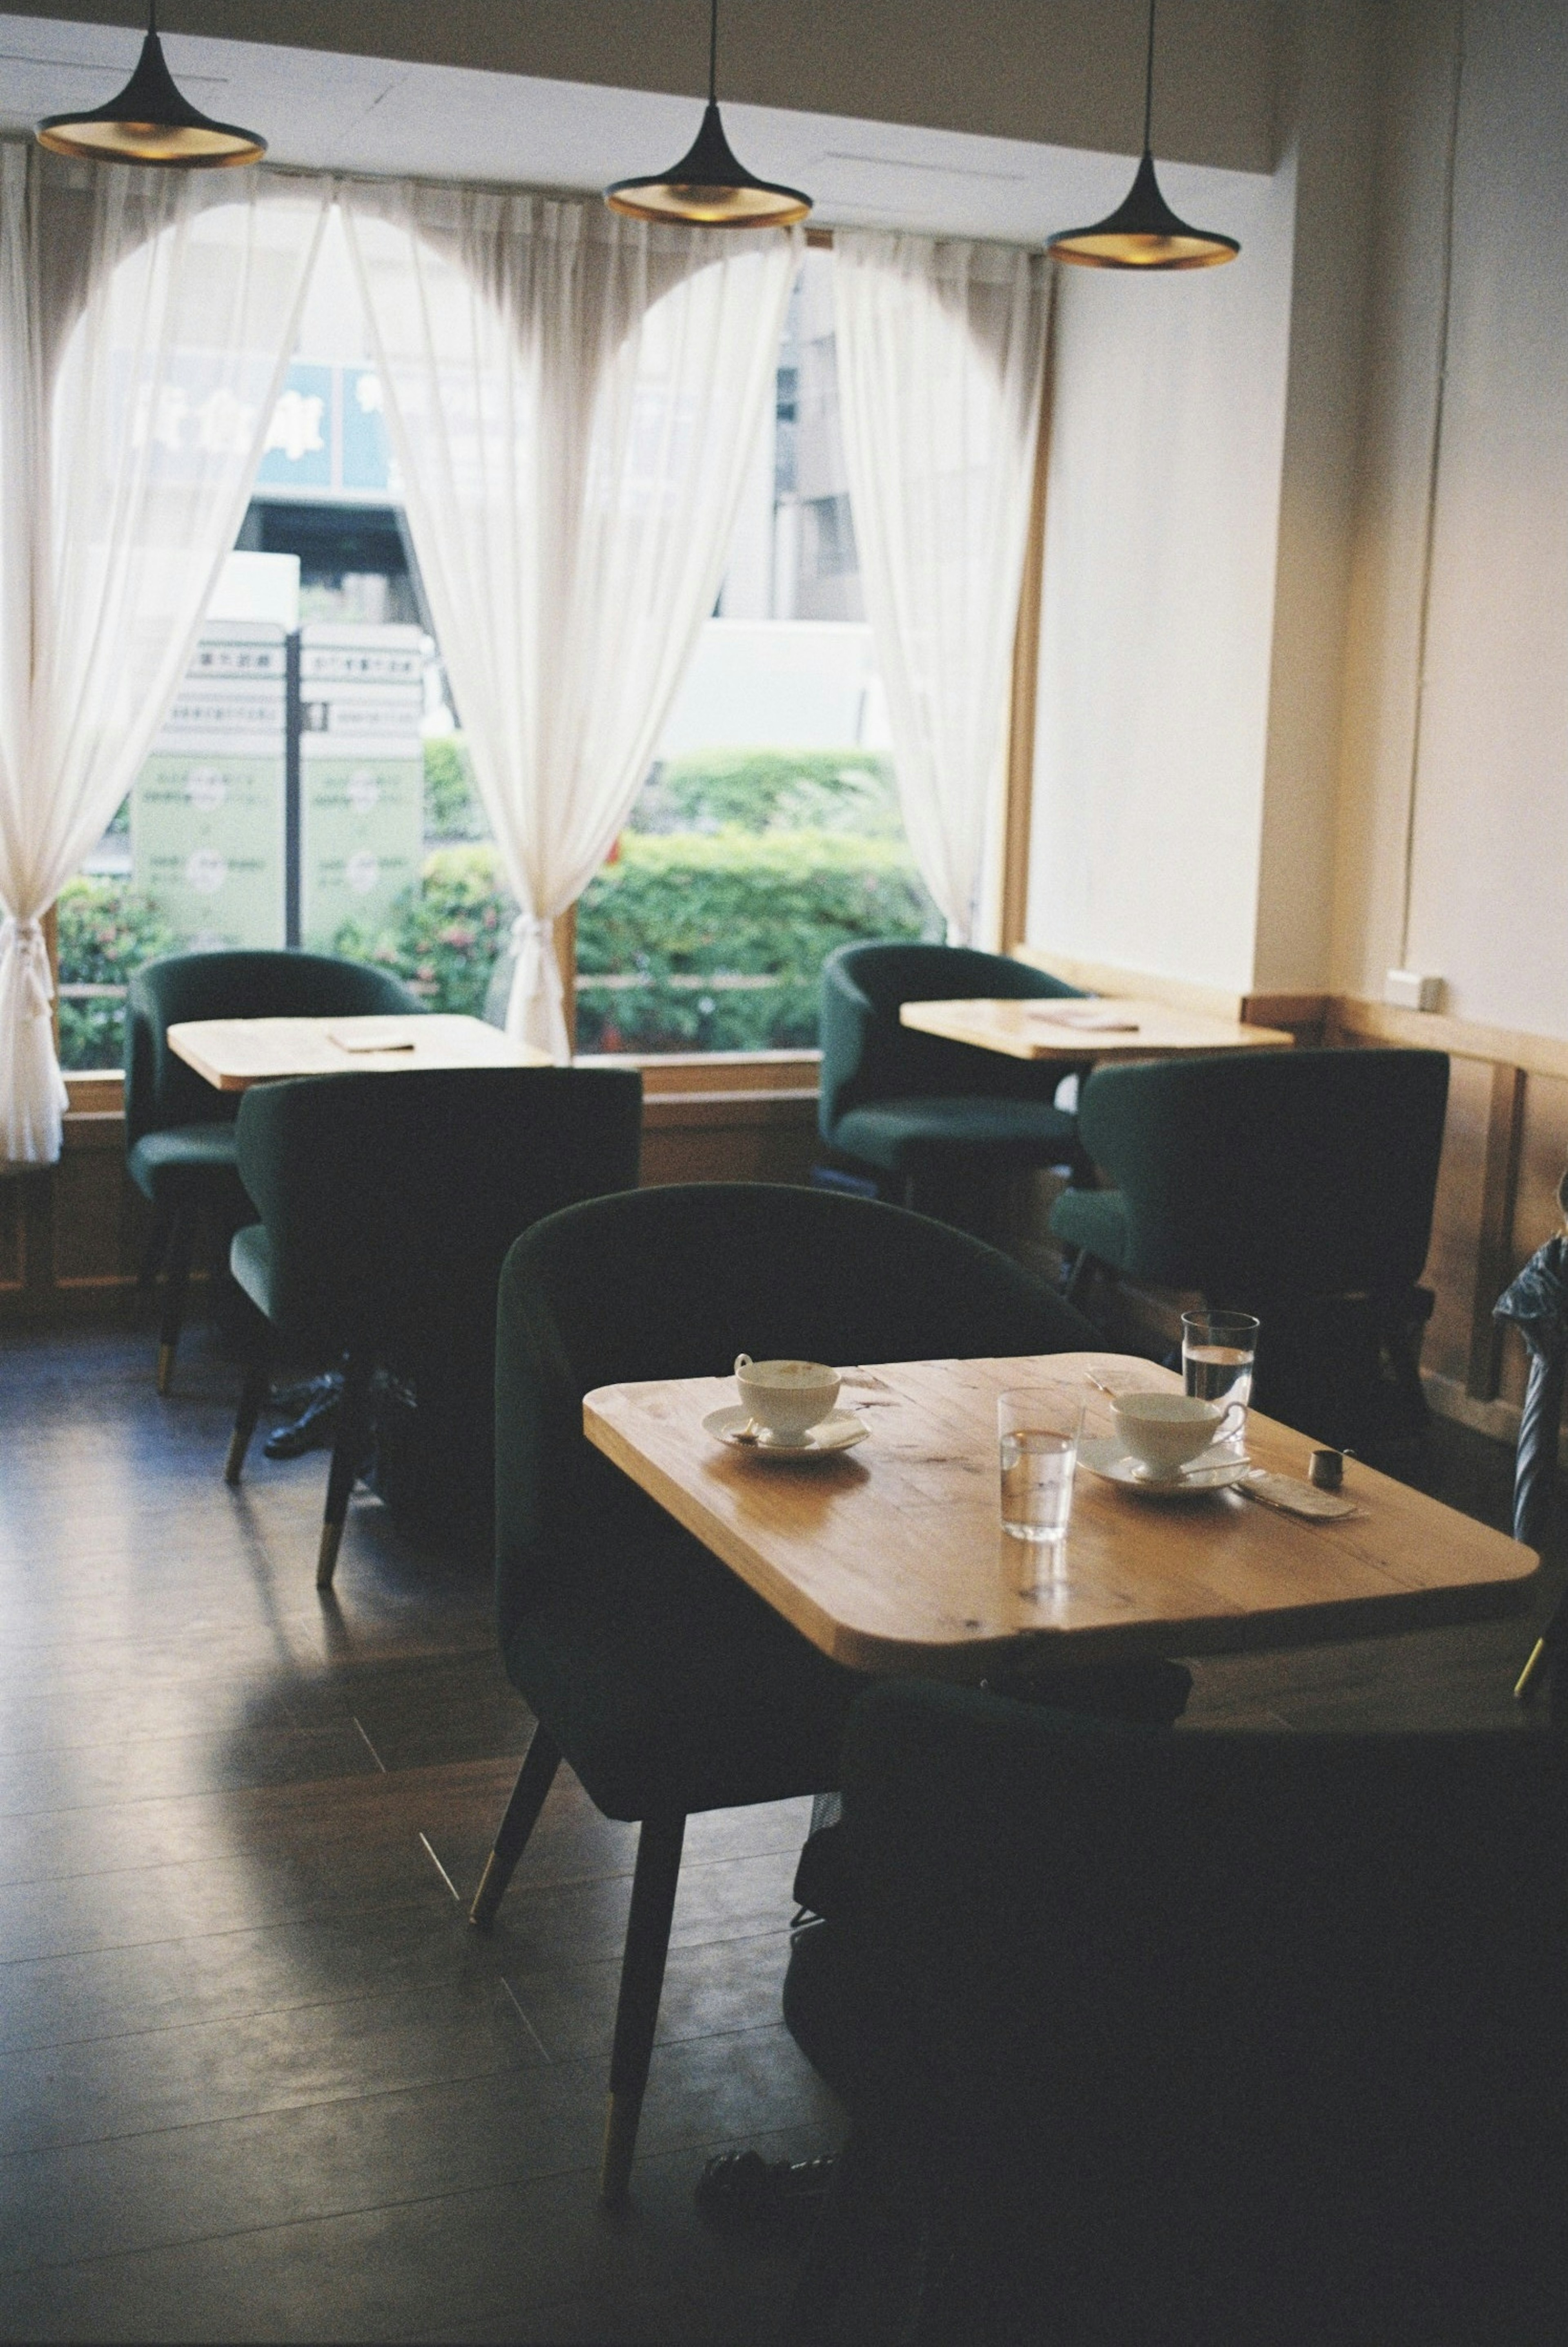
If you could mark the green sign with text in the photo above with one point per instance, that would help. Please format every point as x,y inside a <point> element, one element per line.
<point>206,846</point>
<point>361,838</point>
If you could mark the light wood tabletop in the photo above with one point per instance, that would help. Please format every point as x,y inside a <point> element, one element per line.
<point>235,1053</point>
<point>1084,1028</point>
<point>890,1557</point>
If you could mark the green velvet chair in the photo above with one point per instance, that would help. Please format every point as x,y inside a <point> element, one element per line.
<point>1191,2041</point>
<point>180,1129</point>
<point>1294,1184</point>
<point>934,1121</point>
<point>651,1669</point>
<point>388,1204</point>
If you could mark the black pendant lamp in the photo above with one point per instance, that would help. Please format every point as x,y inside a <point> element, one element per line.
<point>708,187</point>
<point>150,122</point>
<point>1144,232</point>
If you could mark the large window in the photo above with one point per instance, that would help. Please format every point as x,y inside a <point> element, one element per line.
<point>767,832</point>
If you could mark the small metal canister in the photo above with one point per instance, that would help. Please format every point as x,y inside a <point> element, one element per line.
<point>1325,1469</point>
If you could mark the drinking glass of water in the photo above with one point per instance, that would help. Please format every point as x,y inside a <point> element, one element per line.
<point>1218,1349</point>
<point>1038,1430</point>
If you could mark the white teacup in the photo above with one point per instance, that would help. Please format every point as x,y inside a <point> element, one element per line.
<point>1165,1430</point>
<point>786,1398</point>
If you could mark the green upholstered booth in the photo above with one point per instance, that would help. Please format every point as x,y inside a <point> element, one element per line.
<point>1294,1184</point>
<point>1191,2041</point>
<point>180,1129</point>
<point>660,1678</point>
<point>388,1204</point>
<point>932,1119</point>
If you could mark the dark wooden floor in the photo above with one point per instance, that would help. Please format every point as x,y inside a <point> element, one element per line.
<point>257,2078</point>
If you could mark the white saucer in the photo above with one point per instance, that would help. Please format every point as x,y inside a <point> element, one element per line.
<point>1210,1471</point>
<point>840,1430</point>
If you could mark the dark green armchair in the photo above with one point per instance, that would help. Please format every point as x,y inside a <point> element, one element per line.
<point>1191,2041</point>
<point>180,1129</point>
<point>651,1669</point>
<point>934,1120</point>
<point>388,1204</point>
<point>1298,1185</point>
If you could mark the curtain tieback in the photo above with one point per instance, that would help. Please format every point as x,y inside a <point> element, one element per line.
<point>26,940</point>
<point>538,973</point>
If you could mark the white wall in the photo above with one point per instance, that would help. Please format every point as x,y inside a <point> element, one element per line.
<point>1453,824</point>
<point>1331,60</point>
<point>1162,522</point>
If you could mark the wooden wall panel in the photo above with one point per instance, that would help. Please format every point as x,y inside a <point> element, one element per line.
<point>733,1137</point>
<point>1456,1220</point>
<point>1544,1155</point>
<point>100,1218</point>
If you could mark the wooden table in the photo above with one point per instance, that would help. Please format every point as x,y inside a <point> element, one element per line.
<point>235,1053</point>
<point>1025,1028</point>
<point>890,1557</point>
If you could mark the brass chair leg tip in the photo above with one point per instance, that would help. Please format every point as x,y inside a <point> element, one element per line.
<point>1526,1677</point>
<point>326,1556</point>
<point>165,1368</point>
<point>487,1899</point>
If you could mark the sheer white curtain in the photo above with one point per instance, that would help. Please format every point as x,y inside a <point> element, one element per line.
<point>941,354</point>
<point>145,319</point>
<point>572,399</point>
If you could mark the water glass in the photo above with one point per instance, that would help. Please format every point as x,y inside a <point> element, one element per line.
<point>1038,1431</point>
<point>1218,1350</point>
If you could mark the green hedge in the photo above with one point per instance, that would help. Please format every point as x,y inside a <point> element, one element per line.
<point>672,907</point>
<point>704,791</point>
<point>451,809</point>
<point>445,938</point>
<point>771,790</point>
<point>738,865</point>
<point>107,932</point>
<point>732,904</point>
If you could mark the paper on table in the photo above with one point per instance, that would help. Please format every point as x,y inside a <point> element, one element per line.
<point>385,1035</point>
<point>1094,1016</point>
<point>1292,1499</point>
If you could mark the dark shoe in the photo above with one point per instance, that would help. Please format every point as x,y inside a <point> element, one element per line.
<point>739,2189</point>
<point>313,1426</point>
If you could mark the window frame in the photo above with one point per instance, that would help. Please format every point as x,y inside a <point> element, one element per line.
<point>667,1072</point>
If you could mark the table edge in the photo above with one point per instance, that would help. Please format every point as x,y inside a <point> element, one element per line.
<point>1097,1045</point>
<point>1196,1635</point>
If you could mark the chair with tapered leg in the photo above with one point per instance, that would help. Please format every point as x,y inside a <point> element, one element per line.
<point>388,1204</point>
<point>180,1129</point>
<point>666,1684</point>
<point>938,1125</point>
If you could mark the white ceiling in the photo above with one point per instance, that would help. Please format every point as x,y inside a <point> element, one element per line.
<point>325,111</point>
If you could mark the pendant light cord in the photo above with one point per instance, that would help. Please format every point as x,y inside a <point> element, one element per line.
<point>1148,80</point>
<point>713,53</point>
